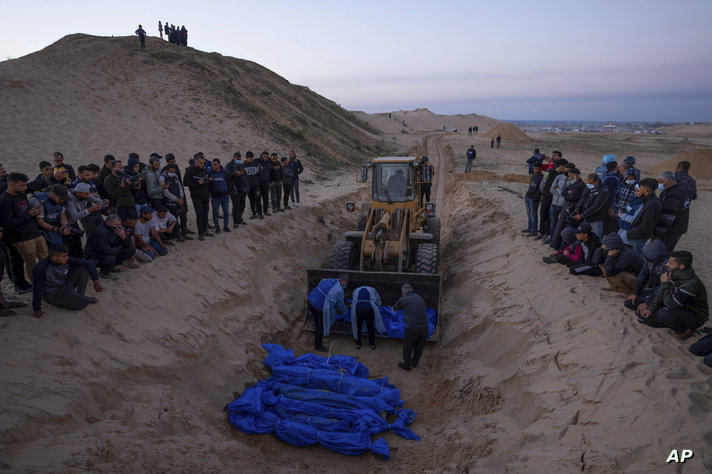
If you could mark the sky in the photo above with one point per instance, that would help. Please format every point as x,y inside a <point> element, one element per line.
<point>624,60</point>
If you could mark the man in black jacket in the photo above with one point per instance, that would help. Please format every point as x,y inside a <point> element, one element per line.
<point>295,165</point>
<point>416,326</point>
<point>643,226</point>
<point>237,185</point>
<point>109,246</point>
<point>621,265</point>
<point>593,205</point>
<point>286,183</point>
<point>61,281</point>
<point>264,174</point>
<point>275,183</point>
<point>18,220</point>
<point>546,199</point>
<point>197,179</point>
<point>532,199</point>
<point>252,169</point>
<point>648,282</point>
<point>675,212</point>
<point>45,179</point>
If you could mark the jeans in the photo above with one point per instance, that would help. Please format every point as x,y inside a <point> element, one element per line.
<point>275,192</point>
<point>238,206</point>
<point>295,190</point>
<point>71,294</point>
<point>597,228</point>
<point>553,217</point>
<point>161,251</point>
<point>532,214</point>
<point>201,207</point>
<point>468,166</point>
<point>224,204</point>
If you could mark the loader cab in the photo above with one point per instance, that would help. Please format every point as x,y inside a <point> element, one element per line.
<point>394,180</point>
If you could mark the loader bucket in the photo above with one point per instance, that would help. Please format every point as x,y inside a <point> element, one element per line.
<point>388,285</point>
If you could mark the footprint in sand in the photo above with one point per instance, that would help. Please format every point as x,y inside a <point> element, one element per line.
<point>700,403</point>
<point>668,353</point>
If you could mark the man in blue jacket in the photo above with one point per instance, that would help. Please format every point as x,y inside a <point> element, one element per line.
<point>325,302</point>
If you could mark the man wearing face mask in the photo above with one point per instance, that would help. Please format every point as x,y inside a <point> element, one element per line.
<point>643,226</point>
<point>238,189</point>
<point>626,190</point>
<point>252,170</point>
<point>593,206</point>
<point>675,212</point>
<point>325,302</point>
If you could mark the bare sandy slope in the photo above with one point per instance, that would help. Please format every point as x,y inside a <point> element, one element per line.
<point>423,120</point>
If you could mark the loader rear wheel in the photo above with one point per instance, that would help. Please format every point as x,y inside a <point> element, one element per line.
<point>426,258</point>
<point>432,226</point>
<point>344,256</point>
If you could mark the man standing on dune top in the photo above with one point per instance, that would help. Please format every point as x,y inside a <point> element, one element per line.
<point>141,36</point>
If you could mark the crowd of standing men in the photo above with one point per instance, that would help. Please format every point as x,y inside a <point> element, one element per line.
<point>57,228</point>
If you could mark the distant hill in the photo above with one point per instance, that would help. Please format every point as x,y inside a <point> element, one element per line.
<point>687,130</point>
<point>508,131</point>
<point>87,96</point>
<point>423,120</point>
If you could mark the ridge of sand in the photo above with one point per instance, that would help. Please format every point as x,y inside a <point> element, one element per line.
<point>687,130</point>
<point>424,120</point>
<point>508,131</point>
<point>87,96</point>
<point>700,164</point>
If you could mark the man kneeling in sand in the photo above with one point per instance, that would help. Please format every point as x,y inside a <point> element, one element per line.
<point>61,280</point>
<point>681,303</point>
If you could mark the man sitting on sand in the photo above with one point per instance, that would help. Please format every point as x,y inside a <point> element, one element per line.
<point>621,265</point>
<point>647,284</point>
<point>109,246</point>
<point>681,304</point>
<point>61,280</point>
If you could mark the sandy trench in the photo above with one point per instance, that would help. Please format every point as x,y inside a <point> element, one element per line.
<point>520,382</point>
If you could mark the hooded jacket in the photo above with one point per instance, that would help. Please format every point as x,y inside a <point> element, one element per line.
<point>626,261</point>
<point>191,180</point>
<point>237,183</point>
<point>656,256</point>
<point>684,291</point>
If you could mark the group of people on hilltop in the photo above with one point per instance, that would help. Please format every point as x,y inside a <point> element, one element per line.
<point>57,228</point>
<point>612,224</point>
<point>177,36</point>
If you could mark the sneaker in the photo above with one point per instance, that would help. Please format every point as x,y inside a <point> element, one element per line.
<point>683,335</point>
<point>91,300</point>
<point>243,222</point>
<point>287,208</point>
<point>538,237</point>
<point>546,241</point>
<point>525,230</point>
<point>531,234</point>
<point>549,260</point>
<point>209,234</point>
<point>413,363</point>
<point>226,229</point>
<point>217,231</point>
<point>106,275</point>
<point>253,216</point>
<point>188,231</point>
<point>115,270</point>
<point>321,349</point>
<point>235,226</point>
<point>267,214</point>
<point>200,237</point>
<point>210,226</point>
<point>297,204</point>
<point>279,209</point>
<point>21,290</point>
<point>403,366</point>
<point>262,217</point>
<point>187,237</point>
<point>132,264</point>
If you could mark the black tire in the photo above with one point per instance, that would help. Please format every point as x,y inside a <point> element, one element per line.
<point>361,223</point>
<point>426,258</point>
<point>432,226</point>
<point>344,256</point>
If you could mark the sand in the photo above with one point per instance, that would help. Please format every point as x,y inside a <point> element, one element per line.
<point>536,371</point>
<point>700,164</point>
<point>508,131</point>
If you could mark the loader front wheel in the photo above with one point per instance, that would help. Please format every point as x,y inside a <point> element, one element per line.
<point>432,226</point>
<point>426,258</point>
<point>344,256</point>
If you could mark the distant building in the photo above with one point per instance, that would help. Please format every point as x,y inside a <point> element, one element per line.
<point>609,127</point>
